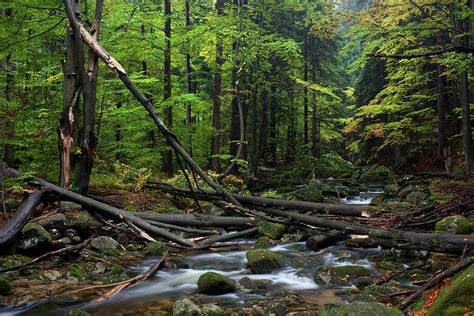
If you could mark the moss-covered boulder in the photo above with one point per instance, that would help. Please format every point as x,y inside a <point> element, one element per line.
<point>456,224</point>
<point>390,190</point>
<point>186,307</point>
<point>81,219</point>
<point>457,298</point>
<point>253,284</point>
<point>263,261</point>
<point>215,284</point>
<point>5,286</point>
<point>342,275</point>
<point>271,230</point>
<point>33,236</point>
<point>102,243</point>
<point>312,192</point>
<point>416,197</point>
<point>263,243</point>
<point>359,308</point>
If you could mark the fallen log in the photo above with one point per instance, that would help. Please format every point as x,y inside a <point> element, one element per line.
<point>230,236</point>
<point>335,209</point>
<point>446,243</point>
<point>321,241</point>
<point>436,280</point>
<point>197,220</point>
<point>105,209</point>
<point>23,213</point>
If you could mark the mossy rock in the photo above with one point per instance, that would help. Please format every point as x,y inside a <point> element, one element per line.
<point>262,243</point>
<point>271,230</point>
<point>456,224</point>
<point>212,310</point>
<point>186,307</point>
<point>390,191</point>
<point>117,269</point>
<point>212,283</point>
<point>155,248</point>
<point>5,286</point>
<point>312,192</point>
<point>81,219</point>
<point>457,297</point>
<point>77,312</point>
<point>342,275</point>
<point>249,283</point>
<point>77,271</point>
<point>115,278</point>
<point>360,308</point>
<point>34,236</point>
<point>263,261</point>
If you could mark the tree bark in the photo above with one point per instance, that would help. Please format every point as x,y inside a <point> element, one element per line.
<point>167,154</point>
<point>189,80</point>
<point>88,143</point>
<point>214,161</point>
<point>198,220</point>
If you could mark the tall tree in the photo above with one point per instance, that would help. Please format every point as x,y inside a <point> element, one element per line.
<point>167,153</point>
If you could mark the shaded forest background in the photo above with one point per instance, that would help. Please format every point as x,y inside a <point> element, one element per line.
<point>321,86</point>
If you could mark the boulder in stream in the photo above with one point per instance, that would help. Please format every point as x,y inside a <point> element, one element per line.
<point>102,243</point>
<point>212,310</point>
<point>34,235</point>
<point>456,224</point>
<point>213,283</point>
<point>186,307</point>
<point>342,275</point>
<point>263,261</point>
<point>360,308</point>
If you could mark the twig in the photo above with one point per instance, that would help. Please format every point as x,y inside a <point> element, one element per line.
<point>48,254</point>
<point>435,280</point>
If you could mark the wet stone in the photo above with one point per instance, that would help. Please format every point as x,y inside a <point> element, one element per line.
<point>215,284</point>
<point>186,307</point>
<point>102,243</point>
<point>264,261</point>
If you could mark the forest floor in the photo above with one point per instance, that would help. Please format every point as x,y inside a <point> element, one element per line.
<point>413,203</point>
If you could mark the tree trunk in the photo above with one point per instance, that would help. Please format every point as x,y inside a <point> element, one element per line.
<point>305,113</point>
<point>272,139</point>
<point>253,126</point>
<point>9,125</point>
<point>314,122</point>
<point>214,161</point>
<point>89,87</point>
<point>167,153</point>
<point>262,137</point>
<point>189,81</point>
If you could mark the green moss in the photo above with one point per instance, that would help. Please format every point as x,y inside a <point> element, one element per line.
<point>339,275</point>
<point>419,304</point>
<point>215,284</point>
<point>457,297</point>
<point>115,278</point>
<point>262,243</point>
<point>360,308</point>
<point>77,271</point>
<point>5,286</point>
<point>117,269</point>
<point>271,230</point>
<point>155,248</point>
<point>263,260</point>
<point>453,225</point>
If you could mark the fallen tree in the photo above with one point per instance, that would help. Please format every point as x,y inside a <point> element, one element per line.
<point>249,201</point>
<point>105,209</point>
<point>22,215</point>
<point>198,220</point>
<point>447,243</point>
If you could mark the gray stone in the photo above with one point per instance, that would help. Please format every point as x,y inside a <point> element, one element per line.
<point>342,275</point>
<point>456,224</point>
<point>263,261</point>
<point>34,235</point>
<point>57,221</point>
<point>186,307</point>
<point>359,308</point>
<point>416,197</point>
<point>390,190</point>
<point>102,243</point>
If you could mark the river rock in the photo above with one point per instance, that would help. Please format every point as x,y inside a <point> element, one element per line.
<point>186,307</point>
<point>390,191</point>
<point>212,310</point>
<point>456,224</point>
<point>416,197</point>
<point>359,308</point>
<point>57,221</point>
<point>34,235</point>
<point>263,261</point>
<point>457,297</point>
<point>215,284</point>
<point>5,286</point>
<point>81,219</point>
<point>272,230</point>
<point>262,243</point>
<point>102,243</point>
<point>342,275</point>
<point>312,192</point>
<point>253,284</point>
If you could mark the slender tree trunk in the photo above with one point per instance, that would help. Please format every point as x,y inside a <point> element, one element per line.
<point>9,126</point>
<point>262,140</point>
<point>189,81</point>
<point>314,120</point>
<point>68,119</point>
<point>118,135</point>
<point>291,136</point>
<point>306,114</point>
<point>253,126</point>
<point>272,149</point>
<point>167,153</point>
<point>214,162</point>
<point>465,106</point>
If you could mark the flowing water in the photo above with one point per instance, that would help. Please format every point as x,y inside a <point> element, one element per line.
<point>157,294</point>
